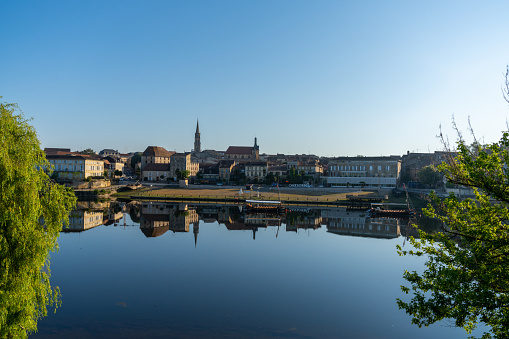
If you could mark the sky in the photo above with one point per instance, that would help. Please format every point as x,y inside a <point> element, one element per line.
<point>331,78</point>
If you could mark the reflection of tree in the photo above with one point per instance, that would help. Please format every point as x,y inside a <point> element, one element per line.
<point>27,194</point>
<point>134,214</point>
<point>466,277</point>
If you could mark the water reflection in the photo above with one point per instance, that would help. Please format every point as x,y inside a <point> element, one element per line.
<point>297,278</point>
<point>155,218</point>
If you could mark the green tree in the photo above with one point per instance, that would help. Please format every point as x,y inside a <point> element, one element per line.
<point>429,176</point>
<point>136,158</point>
<point>118,173</point>
<point>28,196</point>
<point>466,277</point>
<point>88,151</point>
<point>184,174</point>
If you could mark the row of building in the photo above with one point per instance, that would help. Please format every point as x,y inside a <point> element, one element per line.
<point>244,164</point>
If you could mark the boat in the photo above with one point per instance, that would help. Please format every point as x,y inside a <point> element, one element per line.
<point>265,206</point>
<point>377,210</point>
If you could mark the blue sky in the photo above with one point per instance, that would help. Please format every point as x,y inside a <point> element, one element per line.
<point>331,78</point>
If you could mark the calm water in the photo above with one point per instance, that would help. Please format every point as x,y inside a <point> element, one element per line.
<point>213,272</point>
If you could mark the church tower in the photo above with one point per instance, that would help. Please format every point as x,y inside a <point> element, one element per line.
<point>197,143</point>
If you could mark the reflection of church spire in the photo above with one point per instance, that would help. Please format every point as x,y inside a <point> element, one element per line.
<point>196,229</point>
<point>254,232</point>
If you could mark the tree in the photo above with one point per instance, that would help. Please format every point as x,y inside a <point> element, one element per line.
<point>429,176</point>
<point>28,196</point>
<point>88,151</point>
<point>184,174</point>
<point>466,278</point>
<point>136,158</point>
<point>118,173</point>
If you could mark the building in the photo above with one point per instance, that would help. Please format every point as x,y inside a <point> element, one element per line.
<point>225,169</point>
<point>256,170</point>
<point>156,172</point>
<point>311,168</point>
<point>209,173</point>
<point>243,152</point>
<point>109,152</point>
<point>113,164</point>
<point>412,163</point>
<point>182,162</point>
<point>383,172</point>
<point>197,142</point>
<point>75,166</point>
<point>155,155</point>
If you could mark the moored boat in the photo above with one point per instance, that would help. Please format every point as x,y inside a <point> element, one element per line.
<point>265,206</point>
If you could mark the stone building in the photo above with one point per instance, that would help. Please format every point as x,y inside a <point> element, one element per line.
<point>383,172</point>
<point>243,152</point>
<point>183,162</point>
<point>155,155</point>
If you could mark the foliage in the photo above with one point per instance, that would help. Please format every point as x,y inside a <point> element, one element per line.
<point>88,151</point>
<point>118,173</point>
<point>467,270</point>
<point>135,159</point>
<point>182,174</point>
<point>27,194</point>
<point>429,176</point>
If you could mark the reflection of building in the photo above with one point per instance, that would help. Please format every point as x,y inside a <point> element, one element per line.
<point>154,218</point>
<point>306,221</point>
<point>82,220</point>
<point>158,217</point>
<point>180,220</point>
<point>358,223</point>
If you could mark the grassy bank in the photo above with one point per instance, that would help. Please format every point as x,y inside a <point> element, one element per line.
<point>286,194</point>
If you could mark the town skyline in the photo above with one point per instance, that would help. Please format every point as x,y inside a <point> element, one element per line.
<point>332,78</point>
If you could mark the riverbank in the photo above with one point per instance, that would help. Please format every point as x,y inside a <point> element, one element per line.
<point>288,195</point>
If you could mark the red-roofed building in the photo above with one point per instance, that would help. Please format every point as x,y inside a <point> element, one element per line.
<point>243,152</point>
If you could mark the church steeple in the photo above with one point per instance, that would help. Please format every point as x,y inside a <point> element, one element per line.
<point>197,142</point>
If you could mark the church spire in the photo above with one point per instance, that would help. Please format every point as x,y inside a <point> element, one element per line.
<point>197,142</point>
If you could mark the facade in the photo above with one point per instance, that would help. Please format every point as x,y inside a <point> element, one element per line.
<point>109,152</point>
<point>209,172</point>
<point>75,166</point>
<point>225,169</point>
<point>256,170</point>
<point>412,163</point>
<point>278,171</point>
<point>383,172</point>
<point>113,164</point>
<point>183,162</point>
<point>155,155</point>
<point>311,168</point>
<point>156,172</point>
